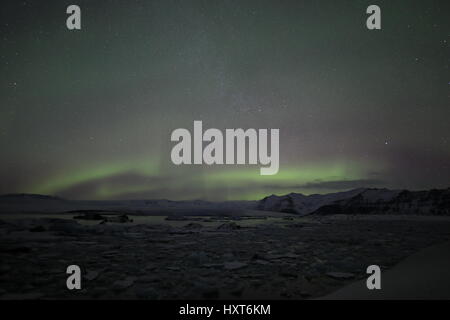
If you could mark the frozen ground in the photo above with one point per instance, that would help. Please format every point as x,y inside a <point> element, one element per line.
<point>209,257</point>
<point>424,275</point>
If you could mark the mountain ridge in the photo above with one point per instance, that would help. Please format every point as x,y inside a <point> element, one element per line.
<point>354,201</point>
<point>362,201</point>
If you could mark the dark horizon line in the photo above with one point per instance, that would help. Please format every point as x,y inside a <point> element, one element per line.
<point>54,197</point>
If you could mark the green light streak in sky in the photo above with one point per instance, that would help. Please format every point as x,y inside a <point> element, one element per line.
<point>293,174</point>
<point>239,183</point>
<point>78,176</point>
<point>289,179</point>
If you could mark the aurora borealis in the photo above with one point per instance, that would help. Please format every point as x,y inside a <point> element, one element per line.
<point>88,114</point>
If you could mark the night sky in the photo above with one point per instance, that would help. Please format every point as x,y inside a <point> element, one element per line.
<point>88,114</point>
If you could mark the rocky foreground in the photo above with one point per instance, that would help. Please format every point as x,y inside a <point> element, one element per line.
<point>293,258</point>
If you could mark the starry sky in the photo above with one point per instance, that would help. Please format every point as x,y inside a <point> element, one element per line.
<point>88,114</point>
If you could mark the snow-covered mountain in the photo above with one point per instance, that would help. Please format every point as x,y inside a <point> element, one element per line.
<point>301,204</point>
<point>384,201</point>
<point>362,201</point>
<point>357,201</point>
